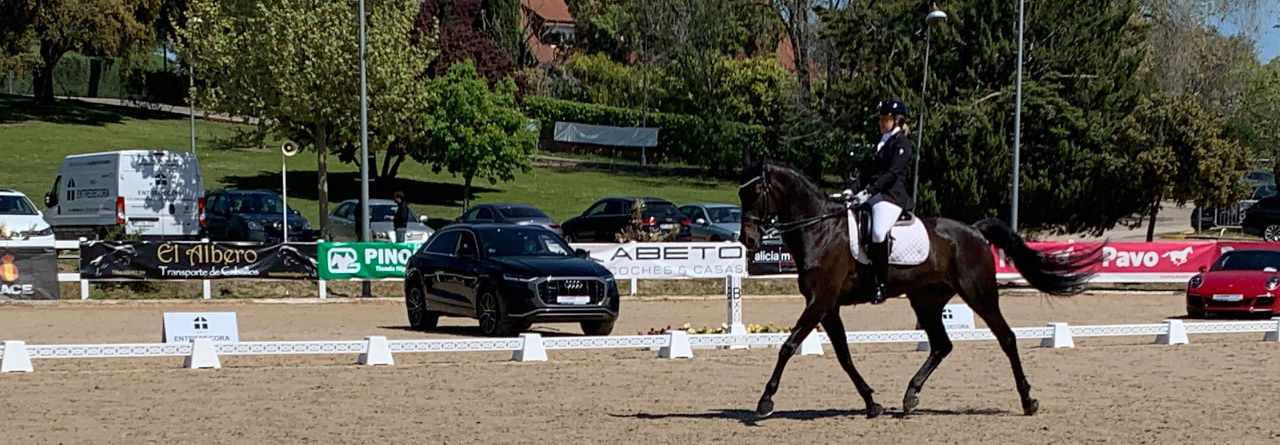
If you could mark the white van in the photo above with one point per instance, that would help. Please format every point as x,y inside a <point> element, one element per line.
<point>153,194</point>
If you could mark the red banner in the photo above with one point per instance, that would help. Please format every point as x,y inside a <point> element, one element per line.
<point>1138,262</point>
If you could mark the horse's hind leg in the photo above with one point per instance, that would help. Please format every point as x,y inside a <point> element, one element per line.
<point>813,313</point>
<point>835,330</point>
<point>983,297</point>
<point>928,308</point>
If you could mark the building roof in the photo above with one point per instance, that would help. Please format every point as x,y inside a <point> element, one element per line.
<point>550,10</point>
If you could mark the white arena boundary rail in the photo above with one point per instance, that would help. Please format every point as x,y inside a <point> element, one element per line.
<point>17,356</point>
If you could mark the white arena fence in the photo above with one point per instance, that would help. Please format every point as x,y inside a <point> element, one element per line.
<point>16,356</point>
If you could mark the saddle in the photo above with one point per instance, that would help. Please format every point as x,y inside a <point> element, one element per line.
<point>908,239</point>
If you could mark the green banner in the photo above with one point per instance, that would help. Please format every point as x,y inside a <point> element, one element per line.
<point>366,261</point>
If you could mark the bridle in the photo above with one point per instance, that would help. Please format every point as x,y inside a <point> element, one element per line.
<point>771,221</point>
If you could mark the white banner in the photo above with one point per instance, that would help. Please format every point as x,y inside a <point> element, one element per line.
<point>183,327</point>
<point>670,260</point>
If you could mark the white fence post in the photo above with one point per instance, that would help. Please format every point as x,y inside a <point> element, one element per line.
<point>1060,338</point>
<point>677,346</point>
<point>376,352</point>
<point>84,289</point>
<point>208,290</point>
<point>15,357</point>
<point>532,349</point>
<point>634,285</point>
<point>203,355</point>
<point>1274,334</point>
<point>812,344</point>
<point>733,293</point>
<point>1177,333</point>
<point>324,289</point>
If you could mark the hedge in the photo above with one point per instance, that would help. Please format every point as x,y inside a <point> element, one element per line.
<point>681,137</point>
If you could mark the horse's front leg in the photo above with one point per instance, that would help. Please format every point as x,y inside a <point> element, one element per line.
<point>813,313</point>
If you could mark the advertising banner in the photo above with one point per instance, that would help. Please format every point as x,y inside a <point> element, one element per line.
<point>28,273</point>
<point>1130,262</point>
<point>364,261</point>
<point>670,260</point>
<point>772,259</point>
<point>187,260</point>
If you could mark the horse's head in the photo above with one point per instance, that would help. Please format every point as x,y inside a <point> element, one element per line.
<point>758,207</point>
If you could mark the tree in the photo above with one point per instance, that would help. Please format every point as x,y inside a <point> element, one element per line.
<point>116,28</point>
<point>295,65</point>
<point>1182,154</point>
<point>477,132</point>
<point>1259,114</point>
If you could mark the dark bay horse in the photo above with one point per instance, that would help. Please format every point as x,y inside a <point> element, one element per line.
<point>816,232</point>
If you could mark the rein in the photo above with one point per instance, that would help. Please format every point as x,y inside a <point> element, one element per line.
<point>772,221</point>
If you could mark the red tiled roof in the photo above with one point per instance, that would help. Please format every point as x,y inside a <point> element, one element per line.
<point>553,10</point>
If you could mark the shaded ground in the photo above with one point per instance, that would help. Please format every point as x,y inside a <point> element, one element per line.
<point>1115,391</point>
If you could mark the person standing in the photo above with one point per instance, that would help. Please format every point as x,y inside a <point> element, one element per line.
<point>401,219</point>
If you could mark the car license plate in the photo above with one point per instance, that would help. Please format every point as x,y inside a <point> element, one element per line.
<point>144,223</point>
<point>573,300</point>
<point>1226,297</point>
<point>668,226</point>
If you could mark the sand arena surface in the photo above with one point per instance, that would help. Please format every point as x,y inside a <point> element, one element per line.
<point>1219,389</point>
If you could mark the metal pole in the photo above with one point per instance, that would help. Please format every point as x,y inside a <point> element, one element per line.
<point>284,197</point>
<point>364,152</point>
<point>1017,125</point>
<point>924,89</point>
<point>644,80</point>
<point>191,103</point>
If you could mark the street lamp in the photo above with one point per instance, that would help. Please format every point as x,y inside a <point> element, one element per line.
<point>1017,126</point>
<point>191,100</point>
<point>934,16</point>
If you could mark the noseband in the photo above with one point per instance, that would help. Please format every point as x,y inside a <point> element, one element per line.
<point>769,220</point>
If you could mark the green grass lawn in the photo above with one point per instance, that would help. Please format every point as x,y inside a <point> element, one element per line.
<point>33,144</point>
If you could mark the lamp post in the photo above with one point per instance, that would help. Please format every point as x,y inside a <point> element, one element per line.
<point>935,16</point>
<point>191,100</point>
<point>365,288</point>
<point>1017,125</point>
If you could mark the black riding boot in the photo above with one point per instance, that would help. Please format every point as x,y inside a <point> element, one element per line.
<point>878,253</point>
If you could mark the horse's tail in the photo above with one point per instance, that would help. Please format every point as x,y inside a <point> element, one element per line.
<point>1065,276</point>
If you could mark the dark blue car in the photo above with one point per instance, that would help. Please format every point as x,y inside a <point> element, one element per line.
<point>508,277</point>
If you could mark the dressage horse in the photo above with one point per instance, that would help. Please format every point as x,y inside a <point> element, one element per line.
<point>953,258</point>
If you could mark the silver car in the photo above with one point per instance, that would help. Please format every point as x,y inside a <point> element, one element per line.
<point>713,221</point>
<point>343,222</point>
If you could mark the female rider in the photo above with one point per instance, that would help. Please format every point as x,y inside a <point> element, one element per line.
<point>885,181</point>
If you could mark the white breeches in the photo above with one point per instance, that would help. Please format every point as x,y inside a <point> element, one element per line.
<point>884,215</point>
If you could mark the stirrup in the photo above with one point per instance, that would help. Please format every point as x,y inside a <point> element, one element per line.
<point>879,297</point>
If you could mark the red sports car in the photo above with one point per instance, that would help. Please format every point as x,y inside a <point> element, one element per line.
<point>1241,282</point>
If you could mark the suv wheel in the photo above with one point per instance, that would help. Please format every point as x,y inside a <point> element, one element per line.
<point>415,303</point>
<point>1272,233</point>
<point>492,312</point>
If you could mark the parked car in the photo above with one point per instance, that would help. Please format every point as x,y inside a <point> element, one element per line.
<point>19,219</point>
<point>511,214</point>
<point>1211,217</point>
<point>152,194</point>
<point>1260,177</point>
<point>508,276</point>
<point>342,221</point>
<point>713,222</point>
<point>606,218</point>
<point>1263,219</point>
<point>1240,281</point>
<point>252,215</point>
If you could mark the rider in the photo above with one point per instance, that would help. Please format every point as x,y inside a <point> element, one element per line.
<point>884,178</point>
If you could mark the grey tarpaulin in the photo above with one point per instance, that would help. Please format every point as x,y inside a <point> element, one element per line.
<point>606,135</point>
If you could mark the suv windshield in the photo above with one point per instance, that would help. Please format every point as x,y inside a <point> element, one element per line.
<point>522,241</point>
<point>725,214</point>
<point>256,204</point>
<point>522,212</point>
<point>16,205</point>
<point>1248,260</point>
<point>387,212</point>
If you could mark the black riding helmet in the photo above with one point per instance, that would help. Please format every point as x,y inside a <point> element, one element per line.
<point>891,107</point>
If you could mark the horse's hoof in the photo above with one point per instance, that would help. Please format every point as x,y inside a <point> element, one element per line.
<point>764,409</point>
<point>875,410</point>
<point>1030,407</point>
<point>909,405</point>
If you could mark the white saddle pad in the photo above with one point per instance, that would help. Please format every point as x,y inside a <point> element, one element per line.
<point>910,246</point>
